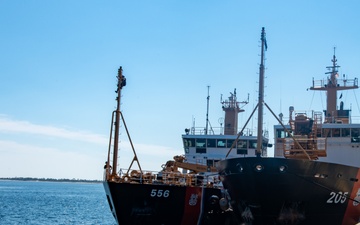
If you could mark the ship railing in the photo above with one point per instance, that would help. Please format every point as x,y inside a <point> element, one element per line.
<point>216,131</point>
<point>202,131</point>
<point>304,147</point>
<point>188,179</point>
<point>169,178</point>
<point>343,119</point>
<point>347,83</point>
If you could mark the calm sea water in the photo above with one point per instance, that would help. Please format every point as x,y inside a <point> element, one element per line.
<point>28,202</point>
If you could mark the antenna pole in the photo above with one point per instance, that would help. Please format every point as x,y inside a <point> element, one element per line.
<point>261,94</point>
<point>207,112</point>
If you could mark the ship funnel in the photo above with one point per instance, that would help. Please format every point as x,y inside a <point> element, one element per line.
<point>231,108</point>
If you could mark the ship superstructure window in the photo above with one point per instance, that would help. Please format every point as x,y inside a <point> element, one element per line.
<point>336,132</point>
<point>200,145</point>
<point>341,132</point>
<point>327,133</point>
<point>189,142</point>
<point>242,147</point>
<point>242,144</point>
<point>212,162</point>
<point>345,132</point>
<point>252,144</point>
<point>229,143</point>
<point>241,151</point>
<point>221,143</point>
<point>355,135</point>
<point>281,133</point>
<point>211,143</point>
<point>200,150</point>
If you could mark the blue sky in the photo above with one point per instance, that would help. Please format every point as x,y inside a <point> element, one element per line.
<point>59,61</point>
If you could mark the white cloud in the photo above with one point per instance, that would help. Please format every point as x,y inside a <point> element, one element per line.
<point>13,126</point>
<point>22,160</point>
<point>67,154</point>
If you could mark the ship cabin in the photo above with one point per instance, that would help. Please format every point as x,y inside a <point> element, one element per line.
<point>209,149</point>
<point>336,142</point>
<point>329,136</point>
<point>206,146</point>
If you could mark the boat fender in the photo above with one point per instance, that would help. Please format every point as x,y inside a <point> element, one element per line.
<point>224,204</point>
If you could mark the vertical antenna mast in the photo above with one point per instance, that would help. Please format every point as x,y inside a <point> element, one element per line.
<point>207,113</point>
<point>261,93</point>
<point>121,83</point>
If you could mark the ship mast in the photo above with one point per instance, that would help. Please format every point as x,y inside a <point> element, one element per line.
<point>260,105</point>
<point>261,94</point>
<point>121,83</point>
<point>331,86</point>
<point>207,112</point>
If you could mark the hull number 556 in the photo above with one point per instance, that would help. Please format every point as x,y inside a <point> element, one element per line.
<point>159,193</point>
<point>339,197</point>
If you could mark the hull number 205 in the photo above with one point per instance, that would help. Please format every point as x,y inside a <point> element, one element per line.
<point>159,193</point>
<point>339,197</point>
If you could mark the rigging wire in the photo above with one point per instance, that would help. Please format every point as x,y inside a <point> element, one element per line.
<point>311,102</point>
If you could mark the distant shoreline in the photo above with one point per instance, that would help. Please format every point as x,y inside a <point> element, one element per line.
<point>50,179</point>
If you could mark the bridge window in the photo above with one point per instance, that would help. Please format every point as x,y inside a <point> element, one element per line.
<point>336,132</point>
<point>345,132</point>
<point>280,133</point>
<point>189,142</point>
<point>326,132</point>
<point>221,143</point>
<point>211,143</point>
<point>242,147</point>
<point>230,143</point>
<point>252,144</point>
<point>242,144</point>
<point>355,135</point>
<point>200,145</point>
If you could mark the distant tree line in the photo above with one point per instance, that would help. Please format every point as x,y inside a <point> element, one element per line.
<point>50,179</point>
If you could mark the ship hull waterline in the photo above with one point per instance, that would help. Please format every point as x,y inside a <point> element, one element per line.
<point>292,191</point>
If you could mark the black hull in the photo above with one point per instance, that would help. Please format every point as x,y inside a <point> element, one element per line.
<point>290,191</point>
<point>140,204</point>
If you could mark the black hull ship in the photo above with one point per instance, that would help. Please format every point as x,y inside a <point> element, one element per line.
<point>165,204</point>
<point>283,191</point>
<point>194,196</point>
<point>314,176</point>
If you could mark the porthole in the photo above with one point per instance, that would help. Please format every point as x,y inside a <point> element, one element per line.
<point>259,168</point>
<point>239,167</point>
<point>282,168</point>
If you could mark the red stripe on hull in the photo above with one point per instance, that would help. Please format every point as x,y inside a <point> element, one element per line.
<point>352,213</point>
<point>192,207</point>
